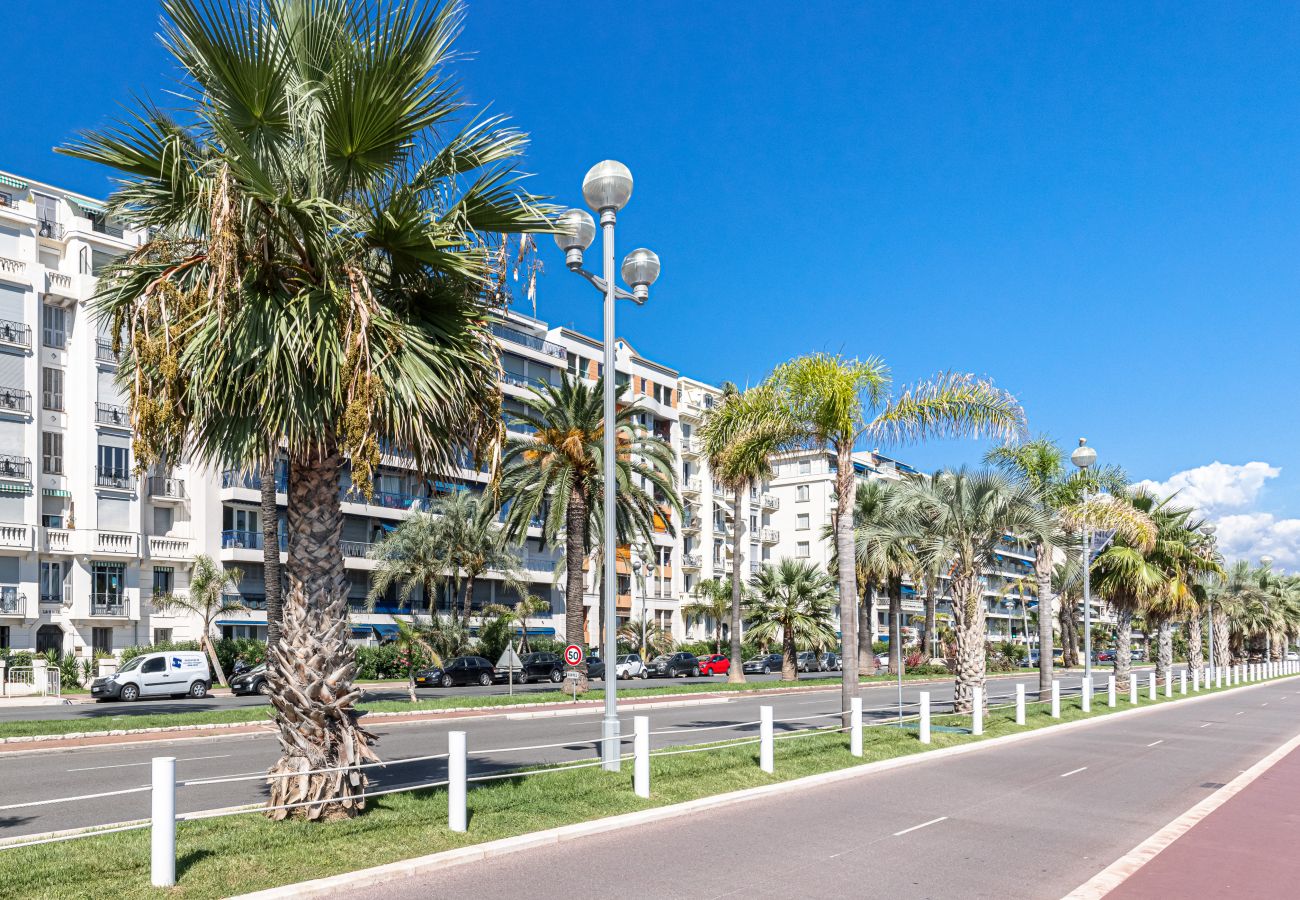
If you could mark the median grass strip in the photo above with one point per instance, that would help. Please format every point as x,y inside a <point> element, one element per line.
<point>221,857</point>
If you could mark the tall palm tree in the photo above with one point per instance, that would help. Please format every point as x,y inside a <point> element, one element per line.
<point>413,555</point>
<point>794,602</point>
<point>475,544</point>
<point>554,477</point>
<point>740,434</point>
<point>517,615</point>
<point>412,643</point>
<point>645,638</point>
<point>834,402</point>
<point>961,517</point>
<point>319,267</point>
<point>206,600</point>
<point>271,578</point>
<point>712,604</point>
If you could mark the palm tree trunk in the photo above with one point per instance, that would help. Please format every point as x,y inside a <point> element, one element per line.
<point>1043,565</point>
<point>206,643</point>
<point>575,552</point>
<point>895,625</point>
<point>1195,655</point>
<point>968,614</point>
<point>1123,643</point>
<point>848,575</point>
<point>314,698</point>
<point>1164,651</point>
<point>931,621</point>
<point>1069,634</point>
<point>866,615</point>
<point>789,655</point>
<point>410,682</point>
<point>735,670</point>
<point>271,547</point>
<point>469,597</point>
<point>1222,649</point>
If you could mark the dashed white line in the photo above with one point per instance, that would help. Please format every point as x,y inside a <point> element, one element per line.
<point>1073,772</point>
<point>1153,743</point>
<point>145,763</point>
<point>922,825</point>
<point>1207,724</point>
<point>1239,712</point>
<point>1265,703</point>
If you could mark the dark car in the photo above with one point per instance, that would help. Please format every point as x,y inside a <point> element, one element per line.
<point>678,664</point>
<point>763,665</point>
<point>461,670</point>
<point>595,668</point>
<point>251,681</point>
<point>540,667</point>
<point>830,662</point>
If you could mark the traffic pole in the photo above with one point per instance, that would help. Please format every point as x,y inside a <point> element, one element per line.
<point>1182,682</point>
<point>1110,691</point>
<point>1133,688</point>
<point>457,815</point>
<point>1151,685</point>
<point>162,826</point>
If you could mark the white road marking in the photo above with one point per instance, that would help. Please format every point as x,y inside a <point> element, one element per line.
<point>922,825</point>
<point>1239,713</point>
<point>1073,772</point>
<point>1265,703</point>
<point>1207,724</point>
<point>1153,743</point>
<point>146,763</point>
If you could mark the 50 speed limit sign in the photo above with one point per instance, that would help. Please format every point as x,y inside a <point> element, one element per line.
<point>573,655</point>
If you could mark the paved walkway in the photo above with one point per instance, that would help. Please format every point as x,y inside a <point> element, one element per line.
<point>1245,848</point>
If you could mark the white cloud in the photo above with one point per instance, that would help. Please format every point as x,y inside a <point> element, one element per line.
<point>1252,535</point>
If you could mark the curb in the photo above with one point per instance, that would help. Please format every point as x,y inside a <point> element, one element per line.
<point>389,872</point>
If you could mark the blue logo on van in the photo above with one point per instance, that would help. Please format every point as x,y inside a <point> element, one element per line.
<point>176,662</point>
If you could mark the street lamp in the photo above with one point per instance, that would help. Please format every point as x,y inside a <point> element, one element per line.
<point>1266,561</point>
<point>1208,530</point>
<point>1083,457</point>
<point>607,187</point>
<point>639,568</point>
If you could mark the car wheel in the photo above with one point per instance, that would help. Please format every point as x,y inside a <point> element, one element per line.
<point>199,690</point>
<point>767,670</point>
<point>556,677</point>
<point>644,674</point>
<point>446,681</point>
<point>485,679</point>
<point>264,688</point>
<point>129,693</point>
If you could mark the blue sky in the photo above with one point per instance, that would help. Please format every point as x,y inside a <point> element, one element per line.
<point>1096,205</point>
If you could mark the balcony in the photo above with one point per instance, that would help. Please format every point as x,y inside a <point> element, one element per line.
<point>691,486</point>
<point>98,224</point>
<point>692,524</point>
<point>248,540</point>
<point>18,537</point>
<point>691,560</point>
<point>65,597</point>
<point>15,400</point>
<point>115,478</point>
<point>58,283</point>
<point>532,342</point>
<point>117,543</point>
<point>8,201</point>
<point>691,445</point>
<point>108,605</point>
<point>170,547</point>
<point>14,334</point>
<point>355,549</point>
<point>13,602</point>
<point>234,478</point>
<point>15,468</point>
<point>50,230</point>
<point>105,353</point>
<point>57,540</point>
<point>384,499</point>
<point>770,535</point>
<point>112,415</point>
<point>163,488</point>
<point>771,501</point>
<point>12,269</point>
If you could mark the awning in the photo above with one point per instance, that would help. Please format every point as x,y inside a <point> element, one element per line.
<point>11,488</point>
<point>95,209</point>
<point>385,631</point>
<point>56,492</point>
<point>13,182</point>
<point>362,629</point>
<point>238,622</point>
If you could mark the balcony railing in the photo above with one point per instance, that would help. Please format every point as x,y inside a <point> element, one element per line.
<point>107,605</point>
<point>771,501</point>
<point>355,549</point>
<point>8,201</point>
<point>107,228</point>
<point>113,477</point>
<point>234,478</point>
<point>117,542</point>
<point>15,400</point>
<point>12,266</point>
<point>770,536</point>
<point>15,468</point>
<point>691,486</point>
<point>386,499</point>
<point>169,488</point>
<point>247,540</point>
<point>16,334</point>
<point>16,536</point>
<point>104,352</point>
<point>111,414</point>
<point>691,560</point>
<point>57,281</point>
<point>170,547</point>
<point>58,540</point>
<point>13,602</point>
<point>530,341</point>
<point>51,230</point>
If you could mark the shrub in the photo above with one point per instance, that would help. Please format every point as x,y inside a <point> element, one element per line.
<point>930,669</point>
<point>879,647</point>
<point>699,648</point>
<point>492,640</point>
<point>19,659</point>
<point>542,644</point>
<point>250,650</point>
<point>130,653</point>
<point>380,662</point>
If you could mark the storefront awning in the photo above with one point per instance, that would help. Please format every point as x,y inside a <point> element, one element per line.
<point>95,209</point>
<point>13,182</point>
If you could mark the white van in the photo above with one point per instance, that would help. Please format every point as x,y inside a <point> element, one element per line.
<point>175,673</point>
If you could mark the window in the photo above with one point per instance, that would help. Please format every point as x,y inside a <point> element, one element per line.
<point>101,640</point>
<point>52,388</point>
<point>162,636</point>
<point>801,523</point>
<point>664,619</point>
<point>52,452</point>
<point>54,326</point>
<point>163,578</point>
<point>801,493</point>
<point>114,462</point>
<point>753,525</point>
<point>106,583</point>
<point>47,211</point>
<point>154,665</point>
<point>51,585</point>
<point>805,466</point>
<point>802,550</point>
<point>4,637</point>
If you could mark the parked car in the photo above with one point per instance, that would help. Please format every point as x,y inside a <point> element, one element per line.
<point>174,673</point>
<point>461,670</point>
<point>630,666</point>
<point>1292,656</point>
<point>1105,656</point>
<point>1031,661</point>
<point>715,664</point>
<point>762,665</point>
<point>808,661</point>
<point>540,667</point>
<point>595,668</point>
<point>831,662</point>
<point>678,664</point>
<point>250,681</point>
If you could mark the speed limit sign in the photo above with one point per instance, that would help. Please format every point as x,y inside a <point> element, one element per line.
<point>573,655</point>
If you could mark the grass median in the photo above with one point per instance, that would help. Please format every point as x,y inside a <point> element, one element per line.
<point>221,857</point>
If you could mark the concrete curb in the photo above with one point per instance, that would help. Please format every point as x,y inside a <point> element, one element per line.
<point>351,881</point>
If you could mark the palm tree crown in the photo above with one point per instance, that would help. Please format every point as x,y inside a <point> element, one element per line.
<point>792,601</point>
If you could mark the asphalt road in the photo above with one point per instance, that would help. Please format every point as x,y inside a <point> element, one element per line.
<point>1032,820</point>
<point>76,773</point>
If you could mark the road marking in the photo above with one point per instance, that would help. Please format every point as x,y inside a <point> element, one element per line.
<point>1073,772</point>
<point>922,825</point>
<point>146,763</point>
<point>1240,712</point>
<point>1207,724</point>
<point>1265,703</point>
<point>1153,743</point>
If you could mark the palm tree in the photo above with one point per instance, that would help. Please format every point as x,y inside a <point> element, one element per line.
<point>475,544</point>
<point>712,604</point>
<point>553,477</point>
<point>271,578</point>
<point>517,615</point>
<point>834,402</point>
<point>740,434</point>
<point>960,518</point>
<point>319,267</point>
<point>413,644</point>
<point>793,601</point>
<point>645,638</point>
<point>207,600</point>
<point>413,555</point>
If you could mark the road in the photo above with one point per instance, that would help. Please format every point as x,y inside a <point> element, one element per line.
<point>76,773</point>
<point>1031,820</point>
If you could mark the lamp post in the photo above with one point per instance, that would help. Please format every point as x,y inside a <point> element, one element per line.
<point>1083,457</point>
<point>639,568</point>
<point>1208,530</point>
<point>607,187</point>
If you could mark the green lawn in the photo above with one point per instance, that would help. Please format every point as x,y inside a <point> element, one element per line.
<point>244,853</point>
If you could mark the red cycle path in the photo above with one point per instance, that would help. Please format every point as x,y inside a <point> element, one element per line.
<point>1248,847</point>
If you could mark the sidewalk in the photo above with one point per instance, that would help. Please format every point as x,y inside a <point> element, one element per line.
<point>1245,848</point>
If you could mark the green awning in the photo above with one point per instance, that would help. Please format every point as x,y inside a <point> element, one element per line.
<point>13,182</point>
<point>56,492</point>
<point>8,487</point>
<point>94,209</point>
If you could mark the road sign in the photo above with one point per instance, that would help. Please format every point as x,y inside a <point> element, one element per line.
<point>510,659</point>
<point>573,655</point>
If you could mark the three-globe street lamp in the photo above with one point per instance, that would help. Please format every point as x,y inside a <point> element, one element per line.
<point>1208,530</point>
<point>607,187</point>
<point>1083,457</point>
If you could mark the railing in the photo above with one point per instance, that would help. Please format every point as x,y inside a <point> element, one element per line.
<point>355,549</point>
<point>58,540</point>
<point>169,547</point>
<point>12,601</point>
<point>55,599</point>
<point>116,542</point>
<point>162,486</point>
<point>770,536</point>
<point>106,604</point>
<point>15,334</point>
<point>12,266</point>
<point>111,414</point>
<point>692,486</point>
<point>532,342</point>
<point>51,230</point>
<point>234,478</point>
<point>538,564</point>
<point>15,536</point>
<point>104,352</point>
<point>386,499</point>
<point>247,540</point>
<point>15,400</point>
<point>692,524</point>
<point>105,228</point>
<point>690,445</point>
<point>8,201</point>
<point>16,468</point>
<point>114,477</point>
<point>516,380</point>
<point>58,281</point>
<point>691,560</point>
<point>771,501</point>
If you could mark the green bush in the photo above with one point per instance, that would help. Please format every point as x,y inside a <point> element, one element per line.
<point>69,671</point>
<point>879,647</point>
<point>20,659</point>
<point>250,650</point>
<point>492,640</point>
<point>130,653</point>
<point>380,662</point>
<point>929,669</point>
<point>699,648</point>
<point>541,644</point>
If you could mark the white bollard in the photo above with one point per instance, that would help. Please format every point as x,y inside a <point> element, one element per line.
<point>765,739</point>
<point>977,711</point>
<point>1056,699</point>
<point>162,828</point>
<point>1182,682</point>
<point>1085,694</point>
<point>1218,676</point>
<point>923,727</point>
<point>457,816</point>
<point>641,752</point>
<point>1110,691</point>
<point>1020,704</point>
<point>855,726</point>
<point>1133,688</point>
<point>1196,680</point>
<point>1151,685</point>
<point>1169,685</point>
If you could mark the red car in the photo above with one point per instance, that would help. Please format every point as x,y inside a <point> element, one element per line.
<point>717,664</point>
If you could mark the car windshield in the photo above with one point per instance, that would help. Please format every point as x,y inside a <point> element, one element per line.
<point>132,665</point>
<point>629,657</point>
<point>659,659</point>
